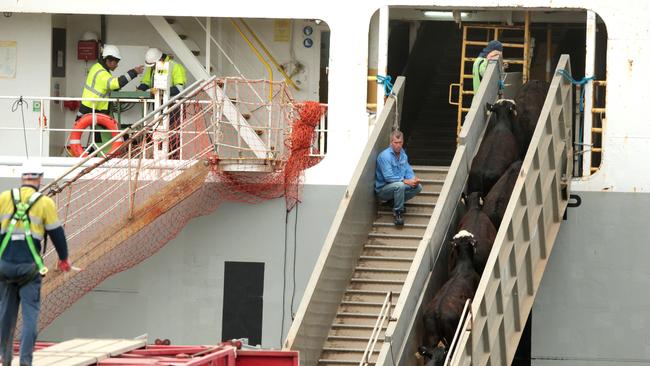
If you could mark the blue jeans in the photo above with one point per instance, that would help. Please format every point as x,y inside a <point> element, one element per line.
<point>399,193</point>
<point>11,296</point>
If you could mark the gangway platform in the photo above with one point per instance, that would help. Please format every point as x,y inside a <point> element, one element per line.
<point>393,329</point>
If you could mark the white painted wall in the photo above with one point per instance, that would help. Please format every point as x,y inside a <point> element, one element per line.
<point>32,78</point>
<point>245,59</point>
<point>178,292</point>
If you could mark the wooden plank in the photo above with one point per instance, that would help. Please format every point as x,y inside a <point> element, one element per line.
<point>83,352</point>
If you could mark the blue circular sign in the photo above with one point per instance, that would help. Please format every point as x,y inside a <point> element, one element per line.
<point>308,42</point>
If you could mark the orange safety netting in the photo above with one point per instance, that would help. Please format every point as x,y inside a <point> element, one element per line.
<point>120,211</point>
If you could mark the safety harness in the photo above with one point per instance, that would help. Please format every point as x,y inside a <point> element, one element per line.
<point>21,213</point>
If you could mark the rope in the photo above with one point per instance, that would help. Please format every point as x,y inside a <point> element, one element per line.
<point>14,107</point>
<point>386,81</point>
<point>581,82</point>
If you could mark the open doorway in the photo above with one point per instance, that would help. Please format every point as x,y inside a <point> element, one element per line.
<point>426,46</point>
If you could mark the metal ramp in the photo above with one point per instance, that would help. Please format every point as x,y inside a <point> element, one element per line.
<point>380,274</point>
<point>367,265</point>
<point>392,331</point>
<point>490,332</point>
<point>525,238</point>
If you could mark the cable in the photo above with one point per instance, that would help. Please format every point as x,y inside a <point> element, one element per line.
<point>295,246</point>
<point>14,107</point>
<point>284,276</point>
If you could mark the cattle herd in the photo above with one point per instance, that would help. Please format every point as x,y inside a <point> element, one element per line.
<point>492,178</point>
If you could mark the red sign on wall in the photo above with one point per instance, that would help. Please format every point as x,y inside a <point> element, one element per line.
<point>87,50</point>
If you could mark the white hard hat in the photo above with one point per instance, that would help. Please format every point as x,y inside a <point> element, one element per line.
<point>112,51</point>
<point>31,167</point>
<point>89,36</point>
<point>152,55</point>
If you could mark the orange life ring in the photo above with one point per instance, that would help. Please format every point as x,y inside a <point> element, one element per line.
<point>84,122</point>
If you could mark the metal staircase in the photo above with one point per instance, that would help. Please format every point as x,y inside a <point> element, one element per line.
<point>366,263</point>
<point>229,109</point>
<point>382,268</point>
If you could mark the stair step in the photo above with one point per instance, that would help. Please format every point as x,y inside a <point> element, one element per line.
<point>376,280</point>
<point>394,236</point>
<point>363,303</point>
<point>329,361</point>
<point>353,338</point>
<point>356,326</point>
<point>392,259</point>
<point>391,247</point>
<point>349,350</point>
<point>378,276</point>
<point>380,269</point>
<point>353,343</point>
<point>383,286</point>
<point>390,224</point>
<point>390,228</point>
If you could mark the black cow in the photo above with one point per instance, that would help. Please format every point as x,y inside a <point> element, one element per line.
<point>443,312</point>
<point>436,356</point>
<point>476,222</point>
<point>498,149</point>
<point>496,201</point>
<point>530,100</point>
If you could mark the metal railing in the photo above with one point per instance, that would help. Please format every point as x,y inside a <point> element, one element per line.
<point>344,242</point>
<point>597,124</point>
<point>384,315</point>
<point>525,238</point>
<point>270,120</point>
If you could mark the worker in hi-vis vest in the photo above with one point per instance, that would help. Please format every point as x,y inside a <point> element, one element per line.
<point>100,82</point>
<point>26,216</point>
<point>166,76</point>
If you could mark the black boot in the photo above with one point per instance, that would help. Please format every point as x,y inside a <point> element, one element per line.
<point>398,218</point>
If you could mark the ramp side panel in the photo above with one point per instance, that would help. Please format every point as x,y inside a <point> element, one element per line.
<point>343,244</point>
<point>525,239</point>
<point>401,336</point>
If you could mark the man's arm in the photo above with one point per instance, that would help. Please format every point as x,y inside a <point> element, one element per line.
<point>116,83</point>
<point>390,176</point>
<point>60,243</point>
<point>54,229</point>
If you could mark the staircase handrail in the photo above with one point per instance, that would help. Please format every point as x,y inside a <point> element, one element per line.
<point>228,58</point>
<point>384,314</point>
<point>507,289</point>
<point>343,244</point>
<point>156,114</point>
<point>259,57</point>
<point>275,63</point>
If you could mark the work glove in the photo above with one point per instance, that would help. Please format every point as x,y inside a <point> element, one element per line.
<point>64,265</point>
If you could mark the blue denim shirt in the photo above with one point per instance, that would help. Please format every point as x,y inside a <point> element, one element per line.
<point>390,169</point>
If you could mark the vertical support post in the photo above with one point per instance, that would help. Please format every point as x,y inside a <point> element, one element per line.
<point>208,34</point>
<point>382,55</point>
<point>549,49</point>
<point>526,47</point>
<point>42,126</point>
<point>589,92</point>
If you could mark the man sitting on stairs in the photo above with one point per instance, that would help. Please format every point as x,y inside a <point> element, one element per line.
<point>394,177</point>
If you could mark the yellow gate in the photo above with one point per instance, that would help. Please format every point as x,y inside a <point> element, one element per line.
<point>476,36</point>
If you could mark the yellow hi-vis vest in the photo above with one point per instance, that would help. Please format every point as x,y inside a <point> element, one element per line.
<point>99,84</point>
<point>178,77</point>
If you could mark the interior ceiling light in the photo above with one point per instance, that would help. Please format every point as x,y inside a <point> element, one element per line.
<point>442,14</point>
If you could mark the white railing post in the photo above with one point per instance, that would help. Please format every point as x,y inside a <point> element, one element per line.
<point>588,94</point>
